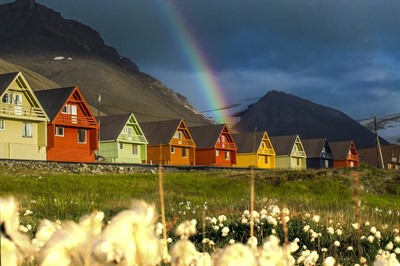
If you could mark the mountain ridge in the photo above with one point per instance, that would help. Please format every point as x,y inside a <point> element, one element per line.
<point>280,114</point>
<point>70,53</point>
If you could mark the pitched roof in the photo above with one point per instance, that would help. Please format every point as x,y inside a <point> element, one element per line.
<point>206,136</point>
<point>160,132</point>
<point>313,147</point>
<point>112,125</point>
<point>54,99</point>
<point>248,142</point>
<point>283,145</point>
<point>5,80</point>
<point>340,149</point>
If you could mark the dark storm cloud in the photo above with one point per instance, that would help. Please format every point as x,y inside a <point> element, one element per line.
<point>343,54</point>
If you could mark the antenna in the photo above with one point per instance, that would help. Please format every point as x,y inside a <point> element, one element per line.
<point>379,157</point>
<point>98,121</point>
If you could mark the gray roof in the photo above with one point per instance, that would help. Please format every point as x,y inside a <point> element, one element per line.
<point>283,145</point>
<point>160,132</point>
<point>5,80</point>
<point>206,136</point>
<point>53,100</point>
<point>248,142</point>
<point>111,126</point>
<point>340,150</point>
<point>314,147</point>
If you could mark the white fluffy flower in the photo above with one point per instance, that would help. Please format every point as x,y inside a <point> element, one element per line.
<point>316,218</point>
<point>235,255</point>
<point>329,261</point>
<point>225,231</point>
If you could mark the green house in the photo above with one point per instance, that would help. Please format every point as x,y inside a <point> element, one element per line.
<point>23,122</point>
<point>290,153</point>
<point>122,140</point>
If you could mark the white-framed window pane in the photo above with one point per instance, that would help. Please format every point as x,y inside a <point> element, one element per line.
<point>81,135</point>
<point>74,110</point>
<point>59,131</point>
<point>2,124</point>
<point>134,149</point>
<point>64,109</point>
<point>172,149</point>
<point>26,130</point>
<point>18,99</point>
<point>184,153</point>
<point>216,152</point>
<point>121,146</point>
<point>227,153</point>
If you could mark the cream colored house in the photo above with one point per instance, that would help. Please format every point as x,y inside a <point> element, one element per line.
<point>23,122</point>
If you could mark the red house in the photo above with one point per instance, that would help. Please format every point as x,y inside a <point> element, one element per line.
<point>214,145</point>
<point>344,154</point>
<point>72,130</point>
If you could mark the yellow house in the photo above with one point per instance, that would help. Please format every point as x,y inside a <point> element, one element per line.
<point>254,150</point>
<point>23,122</point>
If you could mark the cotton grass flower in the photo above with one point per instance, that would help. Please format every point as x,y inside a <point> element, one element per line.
<point>15,246</point>
<point>186,229</point>
<point>329,261</point>
<point>235,255</point>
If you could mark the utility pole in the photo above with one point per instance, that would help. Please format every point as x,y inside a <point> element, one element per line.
<point>98,121</point>
<point>379,157</point>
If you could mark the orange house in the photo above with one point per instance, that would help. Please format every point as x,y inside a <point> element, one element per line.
<point>215,145</point>
<point>169,142</point>
<point>344,154</point>
<point>72,130</point>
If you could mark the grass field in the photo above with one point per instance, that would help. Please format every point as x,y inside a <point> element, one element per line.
<point>327,193</point>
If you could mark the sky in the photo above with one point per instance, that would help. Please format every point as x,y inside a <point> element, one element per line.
<point>341,54</point>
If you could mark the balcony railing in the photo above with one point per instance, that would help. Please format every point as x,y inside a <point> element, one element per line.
<point>352,157</point>
<point>298,153</point>
<point>21,111</point>
<point>266,151</point>
<point>73,120</point>
<point>133,138</point>
<point>225,145</point>
<point>182,142</point>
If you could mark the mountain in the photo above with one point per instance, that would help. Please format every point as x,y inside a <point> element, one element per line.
<point>280,114</point>
<point>388,127</point>
<point>69,53</point>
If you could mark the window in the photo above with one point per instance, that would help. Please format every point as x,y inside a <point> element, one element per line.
<point>178,134</point>
<point>227,153</point>
<point>26,130</point>
<point>5,98</point>
<point>266,160</point>
<point>127,130</point>
<point>2,124</point>
<point>216,152</point>
<point>121,146</point>
<point>172,149</point>
<point>262,145</point>
<point>184,155</point>
<point>59,131</point>
<point>298,161</point>
<point>18,99</point>
<point>134,149</point>
<point>81,135</point>
<point>66,109</point>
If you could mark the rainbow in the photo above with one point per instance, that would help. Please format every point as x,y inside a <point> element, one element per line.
<point>212,90</point>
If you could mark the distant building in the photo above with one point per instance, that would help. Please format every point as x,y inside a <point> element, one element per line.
<point>254,150</point>
<point>344,154</point>
<point>390,154</point>
<point>290,152</point>
<point>319,154</point>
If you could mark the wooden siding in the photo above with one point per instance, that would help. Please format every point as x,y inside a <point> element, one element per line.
<point>168,157</point>
<point>112,153</point>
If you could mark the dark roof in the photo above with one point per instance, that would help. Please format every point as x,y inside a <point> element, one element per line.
<point>5,80</point>
<point>206,136</point>
<point>112,125</point>
<point>248,142</point>
<point>160,132</point>
<point>53,100</point>
<point>313,147</point>
<point>283,145</point>
<point>340,149</point>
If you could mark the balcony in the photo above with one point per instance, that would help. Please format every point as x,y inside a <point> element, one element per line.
<point>182,142</point>
<point>298,154</point>
<point>73,120</point>
<point>133,138</point>
<point>18,111</point>
<point>352,157</point>
<point>266,151</point>
<point>225,145</point>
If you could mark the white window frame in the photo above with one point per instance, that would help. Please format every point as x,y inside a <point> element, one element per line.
<point>184,152</point>
<point>135,149</point>
<point>27,130</point>
<point>216,152</point>
<point>18,99</point>
<point>120,145</point>
<point>227,155</point>
<point>178,135</point>
<point>2,124</point>
<point>172,149</point>
<point>58,132</point>
<point>85,135</point>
